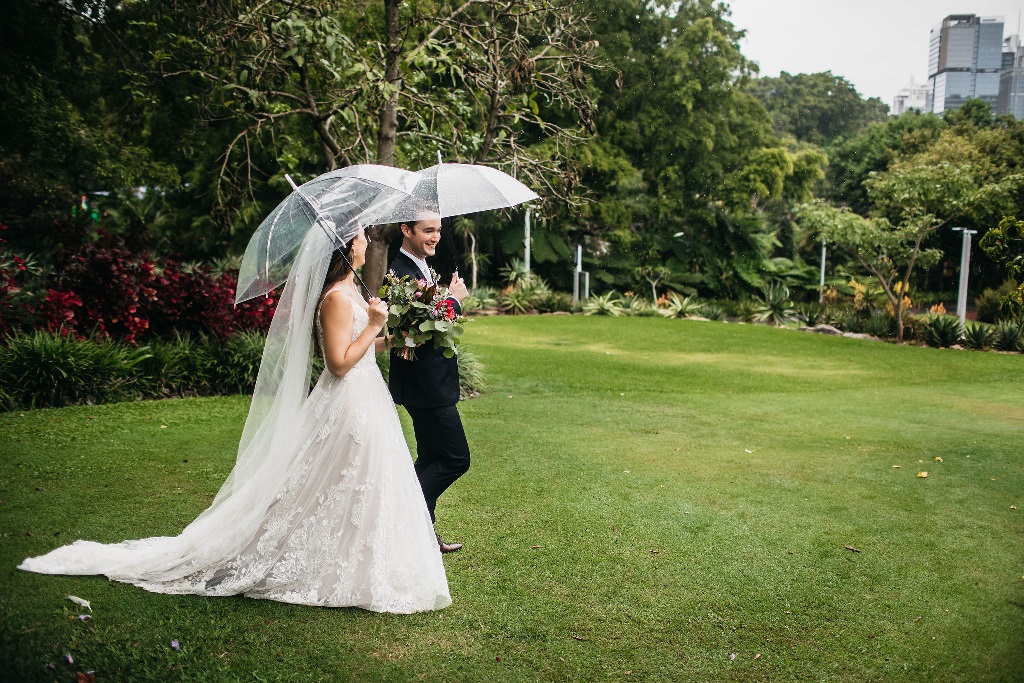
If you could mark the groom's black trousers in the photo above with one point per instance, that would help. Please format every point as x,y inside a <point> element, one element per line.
<point>442,452</point>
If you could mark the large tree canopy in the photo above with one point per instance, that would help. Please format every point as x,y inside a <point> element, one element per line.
<point>816,108</point>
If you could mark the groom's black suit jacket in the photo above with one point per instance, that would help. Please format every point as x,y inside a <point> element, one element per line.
<point>431,380</point>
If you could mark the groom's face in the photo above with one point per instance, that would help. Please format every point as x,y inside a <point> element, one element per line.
<point>420,238</point>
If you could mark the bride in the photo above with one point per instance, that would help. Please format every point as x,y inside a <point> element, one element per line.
<point>323,506</point>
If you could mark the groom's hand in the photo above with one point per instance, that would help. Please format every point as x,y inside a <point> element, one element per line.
<point>458,288</point>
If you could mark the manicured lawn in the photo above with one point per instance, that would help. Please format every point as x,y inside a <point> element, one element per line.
<point>650,500</point>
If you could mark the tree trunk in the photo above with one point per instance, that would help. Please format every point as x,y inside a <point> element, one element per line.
<point>377,252</point>
<point>388,120</point>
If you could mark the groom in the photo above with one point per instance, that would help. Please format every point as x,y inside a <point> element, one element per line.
<point>428,386</point>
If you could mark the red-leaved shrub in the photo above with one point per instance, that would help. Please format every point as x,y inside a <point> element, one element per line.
<point>112,283</point>
<point>56,312</point>
<point>107,289</point>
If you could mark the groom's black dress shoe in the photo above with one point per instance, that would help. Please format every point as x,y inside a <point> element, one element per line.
<point>447,547</point>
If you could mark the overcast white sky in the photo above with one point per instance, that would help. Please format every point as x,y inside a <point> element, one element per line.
<point>875,44</point>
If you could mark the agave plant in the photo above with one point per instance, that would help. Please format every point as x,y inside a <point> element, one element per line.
<point>515,272</point>
<point>712,311</point>
<point>516,300</point>
<point>978,336</point>
<point>775,308</point>
<point>683,307</point>
<point>605,304</point>
<point>1009,335</point>
<point>942,331</point>
<point>636,305</point>
<point>745,310</point>
<point>811,314</point>
<point>471,374</point>
<point>481,298</point>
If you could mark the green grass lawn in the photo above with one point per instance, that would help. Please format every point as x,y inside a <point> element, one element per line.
<point>650,500</point>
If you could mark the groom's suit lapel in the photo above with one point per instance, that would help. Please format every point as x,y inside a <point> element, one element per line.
<point>413,268</point>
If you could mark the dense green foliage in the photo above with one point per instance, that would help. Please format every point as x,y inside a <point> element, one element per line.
<point>642,505</point>
<point>645,129</point>
<point>816,108</point>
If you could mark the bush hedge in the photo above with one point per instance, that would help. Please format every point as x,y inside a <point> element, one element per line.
<point>49,369</point>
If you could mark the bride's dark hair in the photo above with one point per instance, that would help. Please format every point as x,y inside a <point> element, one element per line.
<point>336,271</point>
<point>339,267</point>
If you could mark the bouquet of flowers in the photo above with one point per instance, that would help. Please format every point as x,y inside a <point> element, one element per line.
<point>420,313</point>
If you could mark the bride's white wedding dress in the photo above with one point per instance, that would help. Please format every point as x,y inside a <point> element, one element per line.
<point>344,524</point>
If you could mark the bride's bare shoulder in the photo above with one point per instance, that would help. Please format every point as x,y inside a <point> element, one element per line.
<point>335,304</point>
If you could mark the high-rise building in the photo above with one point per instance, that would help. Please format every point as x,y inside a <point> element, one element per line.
<point>1011,79</point>
<point>964,60</point>
<point>911,96</point>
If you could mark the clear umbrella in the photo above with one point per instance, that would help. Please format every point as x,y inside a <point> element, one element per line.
<point>337,202</point>
<point>452,190</point>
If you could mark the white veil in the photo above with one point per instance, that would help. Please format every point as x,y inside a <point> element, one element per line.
<point>175,564</point>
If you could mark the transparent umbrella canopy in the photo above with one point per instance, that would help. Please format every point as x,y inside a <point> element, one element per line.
<point>338,202</point>
<point>452,190</point>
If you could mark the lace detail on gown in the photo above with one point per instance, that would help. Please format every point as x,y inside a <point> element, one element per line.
<point>347,527</point>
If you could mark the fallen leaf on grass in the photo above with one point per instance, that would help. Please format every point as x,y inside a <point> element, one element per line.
<point>938,459</point>
<point>851,548</point>
<point>576,637</point>
<point>534,547</point>
<point>90,417</point>
<point>87,677</point>
<point>757,656</point>
<point>923,475</point>
<point>79,601</point>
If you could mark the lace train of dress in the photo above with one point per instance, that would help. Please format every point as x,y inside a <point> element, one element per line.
<point>347,526</point>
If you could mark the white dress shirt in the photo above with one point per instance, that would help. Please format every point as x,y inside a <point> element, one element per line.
<point>421,264</point>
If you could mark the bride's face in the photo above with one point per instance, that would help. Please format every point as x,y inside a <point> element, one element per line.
<point>359,244</point>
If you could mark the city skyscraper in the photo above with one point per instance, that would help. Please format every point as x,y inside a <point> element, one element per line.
<point>1011,80</point>
<point>964,61</point>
